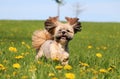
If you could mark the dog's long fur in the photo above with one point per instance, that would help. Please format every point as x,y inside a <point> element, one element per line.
<point>53,41</point>
<point>39,37</point>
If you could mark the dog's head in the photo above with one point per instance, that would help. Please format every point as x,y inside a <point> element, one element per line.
<point>62,31</point>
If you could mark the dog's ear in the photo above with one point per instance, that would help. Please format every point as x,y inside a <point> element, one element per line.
<point>75,23</point>
<point>51,23</point>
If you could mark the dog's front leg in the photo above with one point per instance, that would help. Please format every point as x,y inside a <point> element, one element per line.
<point>54,52</point>
<point>39,54</point>
<point>65,58</point>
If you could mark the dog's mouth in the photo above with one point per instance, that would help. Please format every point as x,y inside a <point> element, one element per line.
<point>63,37</point>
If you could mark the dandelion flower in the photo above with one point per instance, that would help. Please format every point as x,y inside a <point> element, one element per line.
<point>84,64</point>
<point>2,67</point>
<point>24,54</point>
<point>55,59</point>
<point>99,55</point>
<point>16,65</point>
<point>70,76</point>
<point>67,67</point>
<point>19,57</point>
<point>58,67</point>
<point>109,69</point>
<point>90,46</point>
<point>51,74</point>
<point>23,43</point>
<point>24,77</point>
<point>12,49</point>
<point>103,70</point>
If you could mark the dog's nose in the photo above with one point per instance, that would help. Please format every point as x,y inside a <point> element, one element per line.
<point>63,32</point>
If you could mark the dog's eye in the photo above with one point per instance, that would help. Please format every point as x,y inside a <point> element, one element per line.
<point>68,30</point>
<point>60,30</point>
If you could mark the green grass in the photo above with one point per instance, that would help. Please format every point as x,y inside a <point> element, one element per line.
<point>103,38</point>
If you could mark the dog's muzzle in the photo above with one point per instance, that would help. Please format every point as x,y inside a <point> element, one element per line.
<point>64,37</point>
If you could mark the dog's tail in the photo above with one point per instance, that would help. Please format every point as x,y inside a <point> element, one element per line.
<point>39,37</point>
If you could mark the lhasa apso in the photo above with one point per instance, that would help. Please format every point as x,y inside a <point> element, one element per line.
<point>53,41</point>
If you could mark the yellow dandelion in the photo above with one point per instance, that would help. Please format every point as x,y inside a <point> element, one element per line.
<point>16,65</point>
<point>70,76</point>
<point>67,67</point>
<point>99,55</point>
<point>110,69</point>
<point>84,64</point>
<point>58,67</point>
<point>19,57</point>
<point>23,43</point>
<point>12,49</point>
<point>103,71</point>
<point>51,74</point>
<point>24,54</point>
<point>55,59</point>
<point>90,46</point>
<point>24,77</point>
<point>2,67</point>
<point>27,53</point>
<point>104,48</point>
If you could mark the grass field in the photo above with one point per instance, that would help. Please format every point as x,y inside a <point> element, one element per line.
<point>94,53</point>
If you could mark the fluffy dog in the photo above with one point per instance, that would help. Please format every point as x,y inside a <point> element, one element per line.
<point>53,41</point>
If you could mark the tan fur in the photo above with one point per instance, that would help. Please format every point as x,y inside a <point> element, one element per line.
<point>39,37</point>
<point>52,50</point>
<point>53,41</point>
